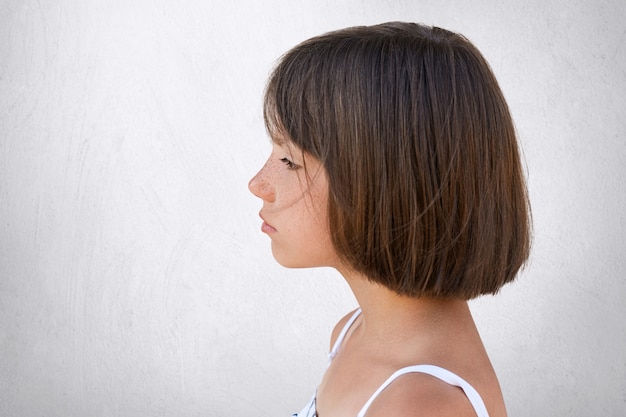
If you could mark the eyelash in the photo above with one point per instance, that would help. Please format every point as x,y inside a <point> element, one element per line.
<point>290,165</point>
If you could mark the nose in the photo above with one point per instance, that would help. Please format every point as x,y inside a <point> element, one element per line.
<point>261,187</point>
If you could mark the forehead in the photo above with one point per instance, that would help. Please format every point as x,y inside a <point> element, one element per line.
<point>278,142</point>
<point>279,138</point>
<point>282,141</point>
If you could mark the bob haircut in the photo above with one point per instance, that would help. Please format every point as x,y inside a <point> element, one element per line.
<point>426,190</point>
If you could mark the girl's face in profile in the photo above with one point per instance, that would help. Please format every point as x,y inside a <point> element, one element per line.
<point>295,205</point>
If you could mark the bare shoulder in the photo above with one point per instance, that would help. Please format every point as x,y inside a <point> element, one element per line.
<point>421,395</point>
<point>339,327</point>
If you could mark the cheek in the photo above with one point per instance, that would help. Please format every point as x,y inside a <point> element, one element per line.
<point>317,222</point>
<point>306,240</point>
<point>321,204</point>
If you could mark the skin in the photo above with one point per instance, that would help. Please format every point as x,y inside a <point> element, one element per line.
<point>294,208</point>
<point>392,332</point>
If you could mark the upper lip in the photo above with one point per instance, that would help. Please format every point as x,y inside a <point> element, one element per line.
<point>263,218</point>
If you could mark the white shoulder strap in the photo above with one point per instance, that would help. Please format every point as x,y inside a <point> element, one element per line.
<point>441,373</point>
<point>342,335</point>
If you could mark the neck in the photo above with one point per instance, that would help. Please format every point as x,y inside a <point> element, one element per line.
<point>388,316</point>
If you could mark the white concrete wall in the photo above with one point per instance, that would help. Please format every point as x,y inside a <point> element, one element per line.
<point>134,280</point>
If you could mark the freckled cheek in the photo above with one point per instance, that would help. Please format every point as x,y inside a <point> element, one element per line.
<point>320,200</point>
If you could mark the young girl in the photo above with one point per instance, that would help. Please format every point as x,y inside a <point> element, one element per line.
<point>395,161</point>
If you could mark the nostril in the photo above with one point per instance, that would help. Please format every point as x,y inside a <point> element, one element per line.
<point>264,191</point>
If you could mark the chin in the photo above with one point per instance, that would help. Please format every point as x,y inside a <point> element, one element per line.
<point>290,258</point>
<point>290,261</point>
<point>283,259</point>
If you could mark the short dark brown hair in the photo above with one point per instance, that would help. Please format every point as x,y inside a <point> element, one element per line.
<point>426,190</point>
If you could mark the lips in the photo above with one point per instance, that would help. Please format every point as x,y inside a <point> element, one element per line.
<point>266,227</point>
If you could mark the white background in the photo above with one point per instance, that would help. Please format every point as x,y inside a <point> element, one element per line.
<point>134,279</point>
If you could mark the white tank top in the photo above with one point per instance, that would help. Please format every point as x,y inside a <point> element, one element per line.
<point>436,371</point>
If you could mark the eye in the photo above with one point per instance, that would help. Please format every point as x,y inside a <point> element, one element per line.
<point>290,164</point>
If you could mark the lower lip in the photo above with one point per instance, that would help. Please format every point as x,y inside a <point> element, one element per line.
<point>266,228</point>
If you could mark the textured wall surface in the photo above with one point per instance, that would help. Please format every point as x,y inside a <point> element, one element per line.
<point>134,280</point>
